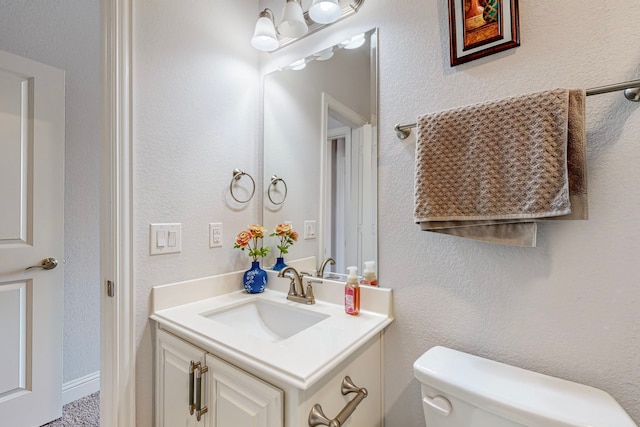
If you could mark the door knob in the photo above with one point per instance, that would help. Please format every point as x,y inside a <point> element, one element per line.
<point>47,264</point>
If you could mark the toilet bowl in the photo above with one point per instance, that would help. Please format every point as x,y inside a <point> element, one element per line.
<point>462,390</point>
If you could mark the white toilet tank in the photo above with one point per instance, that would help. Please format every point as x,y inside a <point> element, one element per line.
<point>462,390</point>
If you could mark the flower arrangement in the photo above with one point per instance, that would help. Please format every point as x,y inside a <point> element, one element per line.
<point>287,236</point>
<point>245,237</point>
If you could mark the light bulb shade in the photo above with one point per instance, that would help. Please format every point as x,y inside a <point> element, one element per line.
<point>293,24</point>
<point>264,37</point>
<point>325,11</point>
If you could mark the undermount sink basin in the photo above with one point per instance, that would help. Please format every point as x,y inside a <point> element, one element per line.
<point>265,319</point>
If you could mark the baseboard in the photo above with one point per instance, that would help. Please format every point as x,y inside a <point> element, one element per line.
<point>80,387</point>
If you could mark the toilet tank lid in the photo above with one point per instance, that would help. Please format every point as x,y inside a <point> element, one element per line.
<point>518,394</point>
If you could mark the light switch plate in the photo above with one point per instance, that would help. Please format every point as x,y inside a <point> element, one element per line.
<point>170,236</point>
<point>215,234</point>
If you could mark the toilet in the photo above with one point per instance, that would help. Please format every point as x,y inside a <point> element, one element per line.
<point>462,390</point>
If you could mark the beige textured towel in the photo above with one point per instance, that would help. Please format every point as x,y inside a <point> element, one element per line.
<point>516,160</point>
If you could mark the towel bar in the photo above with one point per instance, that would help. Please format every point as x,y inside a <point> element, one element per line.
<point>631,92</point>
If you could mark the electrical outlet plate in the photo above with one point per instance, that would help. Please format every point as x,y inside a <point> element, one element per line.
<point>215,234</point>
<point>309,230</point>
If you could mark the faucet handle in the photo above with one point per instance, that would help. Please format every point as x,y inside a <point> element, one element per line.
<point>292,284</point>
<point>310,298</point>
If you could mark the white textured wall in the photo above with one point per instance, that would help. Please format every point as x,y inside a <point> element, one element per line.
<point>569,307</point>
<point>66,34</point>
<point>195,113</point>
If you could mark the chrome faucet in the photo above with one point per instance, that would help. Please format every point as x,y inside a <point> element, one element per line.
<point>324,264</point>
<point>293,295</point>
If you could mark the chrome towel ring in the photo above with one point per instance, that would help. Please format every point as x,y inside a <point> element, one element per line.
<point>273,185</point>
<point>237,174</point>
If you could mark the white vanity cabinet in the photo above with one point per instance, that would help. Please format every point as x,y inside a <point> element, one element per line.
<point>232,397</point>
<point>237,398</point>
<point>268,360</point>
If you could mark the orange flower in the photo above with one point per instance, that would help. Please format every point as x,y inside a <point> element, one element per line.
<point>257,230</point>
<point>287,236</point>
<point>283,229</point>
<point>243,238</point>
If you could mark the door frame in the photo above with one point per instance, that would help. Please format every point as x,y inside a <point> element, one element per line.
<point>117,330</point>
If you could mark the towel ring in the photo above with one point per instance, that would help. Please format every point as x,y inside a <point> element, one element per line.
<point>237,174</point>
<point>274,183</point>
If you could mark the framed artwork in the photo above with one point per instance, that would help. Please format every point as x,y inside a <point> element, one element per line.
<point>478,28</point>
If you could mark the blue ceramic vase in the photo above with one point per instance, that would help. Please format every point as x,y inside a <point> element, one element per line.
<point>254,279</point>
<point>279,264</point>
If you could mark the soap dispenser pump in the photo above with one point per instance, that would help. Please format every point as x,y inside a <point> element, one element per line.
<point>352,293</point>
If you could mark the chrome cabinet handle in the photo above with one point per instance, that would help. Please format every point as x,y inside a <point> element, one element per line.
<point>192,369</point>
<point>200,411</point>
<point>47,264</point>
<point>318,418</point>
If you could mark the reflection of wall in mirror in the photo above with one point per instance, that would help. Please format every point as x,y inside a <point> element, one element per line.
<point>292,129</point>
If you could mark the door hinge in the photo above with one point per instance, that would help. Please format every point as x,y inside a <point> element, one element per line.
<point>111,289</point>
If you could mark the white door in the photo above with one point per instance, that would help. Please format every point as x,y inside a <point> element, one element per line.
<point>31,230</point>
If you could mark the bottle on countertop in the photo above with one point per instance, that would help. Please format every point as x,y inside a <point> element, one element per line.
<point>352,293</point>
<point>369,274</point>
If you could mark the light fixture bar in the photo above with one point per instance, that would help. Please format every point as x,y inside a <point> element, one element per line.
<point>346,11</point>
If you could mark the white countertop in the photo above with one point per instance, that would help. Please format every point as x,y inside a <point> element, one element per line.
<point>299,360</point>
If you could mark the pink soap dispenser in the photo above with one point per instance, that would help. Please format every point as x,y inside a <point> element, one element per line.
<point>352,293</point>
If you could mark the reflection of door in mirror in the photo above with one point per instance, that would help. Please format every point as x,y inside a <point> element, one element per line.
<point>302,107</point>
<point>349,227</point>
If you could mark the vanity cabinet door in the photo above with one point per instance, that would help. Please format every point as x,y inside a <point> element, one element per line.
<point>237,398</point>
<point>173,359</point>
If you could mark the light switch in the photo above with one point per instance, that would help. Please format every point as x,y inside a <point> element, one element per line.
<point>171,242</point>
<point>165,238</point>
<point>161,240</point>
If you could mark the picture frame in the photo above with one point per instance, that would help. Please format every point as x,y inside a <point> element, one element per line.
<point>478,28</point>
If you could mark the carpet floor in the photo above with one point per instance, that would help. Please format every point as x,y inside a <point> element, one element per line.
<point>83,412</point>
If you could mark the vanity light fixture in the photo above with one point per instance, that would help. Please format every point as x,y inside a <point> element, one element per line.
<point>325,11</point>
<point>264,36</point>
<point>297,23</point>
<point>293,24</point>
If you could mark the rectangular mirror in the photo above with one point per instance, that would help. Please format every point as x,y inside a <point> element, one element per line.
<point>320,153</point>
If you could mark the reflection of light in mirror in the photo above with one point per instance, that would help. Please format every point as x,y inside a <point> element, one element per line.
<point>298,65</point>
<point>354,42</point>
<point>325,54</point>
